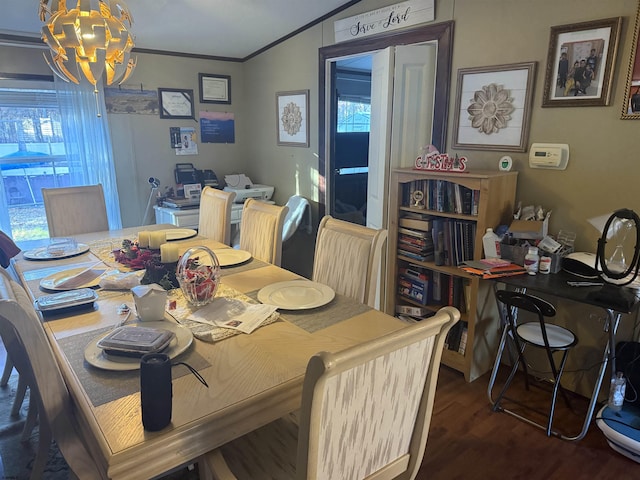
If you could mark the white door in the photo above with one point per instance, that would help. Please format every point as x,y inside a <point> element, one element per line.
<point>402,89</point>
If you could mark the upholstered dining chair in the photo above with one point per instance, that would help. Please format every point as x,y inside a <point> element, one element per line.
<point>540,333</point>
<point>24,338</point>
<point>261,230</point>
<point>215,214</point>
<point>348,258</point>
<point>75,210</point>
<point>365,413</point>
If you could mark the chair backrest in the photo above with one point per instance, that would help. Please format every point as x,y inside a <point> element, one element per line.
<point>261,230</point>
<point>518,300</point>
<point>367,409</point>
<point>348,258</point>
<point>27,345</point>
<point>215,214</point>
<point>75,210</point>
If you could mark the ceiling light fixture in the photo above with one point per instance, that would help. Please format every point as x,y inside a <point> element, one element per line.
<point>90,39</point>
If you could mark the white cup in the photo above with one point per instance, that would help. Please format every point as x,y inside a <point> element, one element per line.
<point>150,301</point>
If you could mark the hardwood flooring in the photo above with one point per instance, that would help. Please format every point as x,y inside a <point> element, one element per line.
<point>468,441</point>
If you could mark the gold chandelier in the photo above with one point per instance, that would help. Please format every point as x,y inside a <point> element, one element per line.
<point>89,39</point>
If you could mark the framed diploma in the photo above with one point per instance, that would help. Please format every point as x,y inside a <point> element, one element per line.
<point>176,103</point>
<point>214,88</point>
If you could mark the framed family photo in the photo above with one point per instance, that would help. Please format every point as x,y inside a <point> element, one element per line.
<point>493,107</point>
<point>292,110</point>
<point>580,63</point>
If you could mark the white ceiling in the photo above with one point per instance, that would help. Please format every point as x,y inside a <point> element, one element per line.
<point>222,28</point>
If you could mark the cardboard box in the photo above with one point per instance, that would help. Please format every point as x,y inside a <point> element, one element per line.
<point>529,229</point>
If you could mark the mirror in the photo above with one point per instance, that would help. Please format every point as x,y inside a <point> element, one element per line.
<point>440,34</point>
<point>631,105</point>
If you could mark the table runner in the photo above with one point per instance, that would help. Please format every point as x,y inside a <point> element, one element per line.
<point>104,386</point>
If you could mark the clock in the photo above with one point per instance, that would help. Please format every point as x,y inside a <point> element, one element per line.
<point>176,103</point>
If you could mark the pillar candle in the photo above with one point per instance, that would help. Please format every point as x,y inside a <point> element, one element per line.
<point>143,239</point>
<point>168,253</point>
<point>156,239</point>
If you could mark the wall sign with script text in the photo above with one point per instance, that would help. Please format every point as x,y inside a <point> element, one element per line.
<point>385,19</point>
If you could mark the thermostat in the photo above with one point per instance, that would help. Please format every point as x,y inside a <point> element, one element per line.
<point>549,155</point>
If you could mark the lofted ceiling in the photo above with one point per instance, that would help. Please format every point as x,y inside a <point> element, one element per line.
<point>220,28</point>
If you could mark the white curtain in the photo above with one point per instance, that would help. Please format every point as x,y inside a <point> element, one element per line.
<point>88,142</point>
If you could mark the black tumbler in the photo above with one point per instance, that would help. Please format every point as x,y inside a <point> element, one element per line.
<point>155,391</point>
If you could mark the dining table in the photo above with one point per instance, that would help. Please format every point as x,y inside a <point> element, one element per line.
<point>252,379</point>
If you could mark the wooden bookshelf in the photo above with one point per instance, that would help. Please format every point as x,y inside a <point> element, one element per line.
<point>495,197</point>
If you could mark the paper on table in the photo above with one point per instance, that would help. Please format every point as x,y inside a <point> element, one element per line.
<point>232,313</point>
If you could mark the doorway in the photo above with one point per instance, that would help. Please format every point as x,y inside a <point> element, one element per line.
<point>330,58</point>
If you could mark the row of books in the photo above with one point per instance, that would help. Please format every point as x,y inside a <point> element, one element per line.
<point>415,244</point>
<point>429,287</point>
<point>456,239</point>
<point>457,337</point>
<point>442,196</point>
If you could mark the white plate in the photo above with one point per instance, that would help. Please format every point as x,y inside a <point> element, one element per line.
<point>96,357</point>
<point>42,253</point>
<point>54,281</point>
<point>230,256</point>
<point>296,295</point>
<point>180,233</point>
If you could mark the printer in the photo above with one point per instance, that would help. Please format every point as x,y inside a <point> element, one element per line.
<point>245,188</point>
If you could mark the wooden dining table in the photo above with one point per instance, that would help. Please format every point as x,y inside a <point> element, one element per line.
<point>252,378</point>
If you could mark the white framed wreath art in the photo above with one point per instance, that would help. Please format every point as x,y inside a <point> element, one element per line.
<point>292,109</point>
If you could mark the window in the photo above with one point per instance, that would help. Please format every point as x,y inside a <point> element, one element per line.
<point>32,156</point>
<point>354,115</point>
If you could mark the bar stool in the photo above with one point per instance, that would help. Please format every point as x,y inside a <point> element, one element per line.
<point>540,334</point>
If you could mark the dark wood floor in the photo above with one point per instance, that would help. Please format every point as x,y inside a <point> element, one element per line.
<point>468,441</point>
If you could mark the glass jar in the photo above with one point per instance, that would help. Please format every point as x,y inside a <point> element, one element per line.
<point>198,273</point>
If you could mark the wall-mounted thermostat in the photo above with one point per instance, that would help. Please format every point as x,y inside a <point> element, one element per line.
<point>549,155</point>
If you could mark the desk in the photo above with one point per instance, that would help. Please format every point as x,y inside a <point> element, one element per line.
<point>253,379</point>
<point>556,285</point>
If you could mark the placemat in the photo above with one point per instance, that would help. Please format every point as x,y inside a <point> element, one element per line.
<point>104,386</point>
<point>312,320</point>
<point>243,267</point>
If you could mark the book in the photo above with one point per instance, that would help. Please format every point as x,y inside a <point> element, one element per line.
<point>463,338</point>
<point>423,225</point>
<point>494,272</point>
<point>414,233</point>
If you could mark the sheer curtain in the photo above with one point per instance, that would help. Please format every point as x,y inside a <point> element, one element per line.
<point>88,142</point>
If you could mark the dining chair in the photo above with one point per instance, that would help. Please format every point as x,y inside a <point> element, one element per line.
<point>365,413</point>
<point>25,340</point>
<point>75,210</point>
<point>348,258</point>
<point>538,333</point>
<point>215,214</point>
<point>261,230</point>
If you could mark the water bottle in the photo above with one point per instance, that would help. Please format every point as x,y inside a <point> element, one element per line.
<point>491,244</point>
<point>617,391</point>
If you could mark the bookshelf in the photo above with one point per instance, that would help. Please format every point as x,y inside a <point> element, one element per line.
<point>426,280</point>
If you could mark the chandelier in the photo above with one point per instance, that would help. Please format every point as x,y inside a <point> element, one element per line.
<point>89,39</point>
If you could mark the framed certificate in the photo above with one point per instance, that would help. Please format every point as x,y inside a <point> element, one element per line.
<point>214,88</point>
<point>176,103</point>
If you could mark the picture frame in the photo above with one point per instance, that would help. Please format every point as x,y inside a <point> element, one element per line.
<point>631,103</point>
<point>588,48</point>
<point>292,118</point>
<point>507,128</point>
<point>214,88</point>
<point>176,103</point>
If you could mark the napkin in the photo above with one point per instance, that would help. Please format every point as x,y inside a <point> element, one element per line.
<point>81,278</point>
<point>234,314</point>
<point>116,280</point>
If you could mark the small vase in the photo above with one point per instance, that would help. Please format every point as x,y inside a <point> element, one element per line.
<point>198,274</point>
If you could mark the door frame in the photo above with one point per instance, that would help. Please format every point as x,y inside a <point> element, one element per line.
<point>441,32</point>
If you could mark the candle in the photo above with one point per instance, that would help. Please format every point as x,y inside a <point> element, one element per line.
<point>156,239</point>
<point>168,253</point>
<point>143,239</point>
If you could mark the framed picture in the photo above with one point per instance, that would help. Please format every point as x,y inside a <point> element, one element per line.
<point>292,110</point>
<point>631,103</point>
<point>214,88</point>
<point>580,63</point>
<point>176,103</point>
<point>493,107</point>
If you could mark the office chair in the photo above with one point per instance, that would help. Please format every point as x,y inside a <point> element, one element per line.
<point>538,333</point>
<point>215,214</point>
<point>365,413</point>
<point>348,258</point>
<point>75,210</point>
